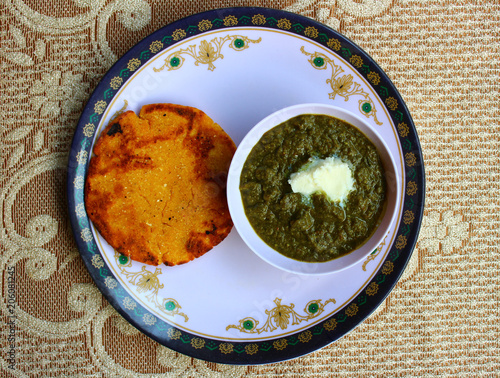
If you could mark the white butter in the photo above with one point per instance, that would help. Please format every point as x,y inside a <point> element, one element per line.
<point>331,176</point>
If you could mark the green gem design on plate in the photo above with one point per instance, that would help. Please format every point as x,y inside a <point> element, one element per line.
<point>123,259</point>
<point>239,43</point>
<point>313,308</point>
<point>248,325</point>
<point>174,62</point>
<point>319,62</point>
<point>170,306</point>
<point>366,107</point>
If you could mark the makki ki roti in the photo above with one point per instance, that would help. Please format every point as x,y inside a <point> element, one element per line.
<point>155,188</point>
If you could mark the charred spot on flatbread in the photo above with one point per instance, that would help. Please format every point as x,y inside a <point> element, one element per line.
<point>114,128</point>
<point>155,188</point>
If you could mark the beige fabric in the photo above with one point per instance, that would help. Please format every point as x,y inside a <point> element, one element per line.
<point>443,317</point>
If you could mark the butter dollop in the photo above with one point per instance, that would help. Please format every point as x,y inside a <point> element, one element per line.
<point>331,176</point>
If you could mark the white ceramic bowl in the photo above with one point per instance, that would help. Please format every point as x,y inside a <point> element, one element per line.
<point>246,230</point>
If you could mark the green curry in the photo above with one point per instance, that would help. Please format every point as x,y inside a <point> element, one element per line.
<point>312,228</point>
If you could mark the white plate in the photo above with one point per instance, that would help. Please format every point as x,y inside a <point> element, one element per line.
<point>228,305</point>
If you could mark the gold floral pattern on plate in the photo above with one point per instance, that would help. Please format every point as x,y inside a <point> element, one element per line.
<point>123,108</point>
<point>148,283</point>
<point>281,316</point>
<point>207,52</point>
<point>343,85</point>
<point>374,254</point>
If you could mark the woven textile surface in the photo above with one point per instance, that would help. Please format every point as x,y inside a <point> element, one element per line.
<point>443,316</point>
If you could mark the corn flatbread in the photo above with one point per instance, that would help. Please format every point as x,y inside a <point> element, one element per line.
<point>155,188</point>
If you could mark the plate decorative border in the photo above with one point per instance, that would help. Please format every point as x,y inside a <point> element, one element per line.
<point>315,337</point>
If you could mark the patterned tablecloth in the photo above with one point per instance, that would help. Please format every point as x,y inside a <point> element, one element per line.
<point>442,318</point>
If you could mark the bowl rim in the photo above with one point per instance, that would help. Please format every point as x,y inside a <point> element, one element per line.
<point>244,227</point>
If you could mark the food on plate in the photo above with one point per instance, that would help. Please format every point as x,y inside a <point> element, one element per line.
<point>313,188</point>
<point>155,188</point>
